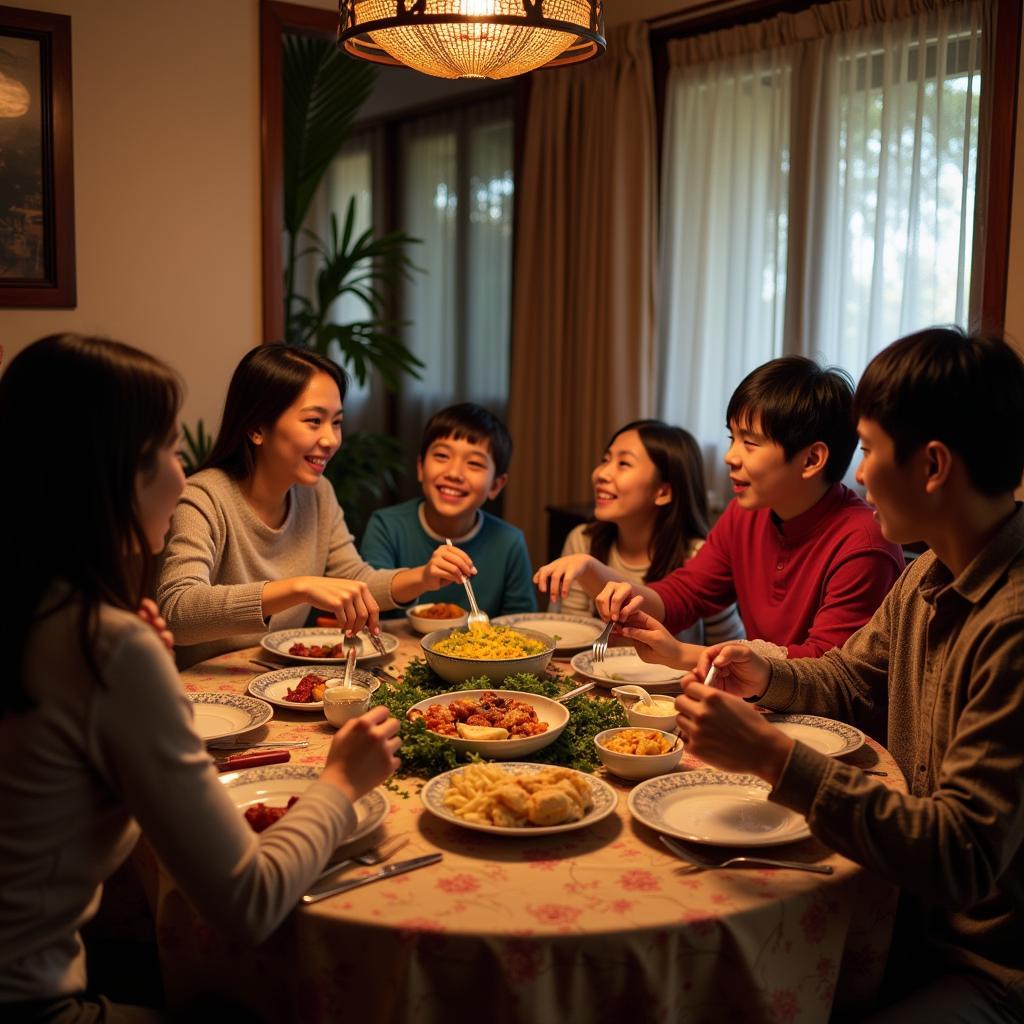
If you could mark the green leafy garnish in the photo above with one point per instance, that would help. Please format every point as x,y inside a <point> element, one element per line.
<point>425,754</point>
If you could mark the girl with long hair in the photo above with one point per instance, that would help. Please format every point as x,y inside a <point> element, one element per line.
<point>258,537</point>
<point>96,736</point>
<point>650,517</point>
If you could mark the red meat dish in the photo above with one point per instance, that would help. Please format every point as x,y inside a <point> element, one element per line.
<point>261,817</point>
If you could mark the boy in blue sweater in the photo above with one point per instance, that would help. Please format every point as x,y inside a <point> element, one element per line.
<point>463,462</point>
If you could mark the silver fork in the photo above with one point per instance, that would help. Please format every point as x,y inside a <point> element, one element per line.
<point>600,647</point>
<point>688,855</point>
<point>476,618</point>
<point>385,851</point>
<point>378,644</point>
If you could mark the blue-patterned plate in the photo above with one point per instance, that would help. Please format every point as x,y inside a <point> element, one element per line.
<point>822,734</point>
<point>275,784</point>
<point>570,632</point>
<point>623,665</point>
<point>279,641</point>
<point>603,796</point>
<point>715,807</point>
<point>217,715</point>
<point>272,686</point>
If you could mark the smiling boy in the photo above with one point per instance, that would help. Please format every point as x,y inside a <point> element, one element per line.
<point>797,550</point>
<point>943,441</point>
<point>463,463</point>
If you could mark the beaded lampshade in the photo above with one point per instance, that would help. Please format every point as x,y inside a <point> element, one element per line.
<point>472,38</point>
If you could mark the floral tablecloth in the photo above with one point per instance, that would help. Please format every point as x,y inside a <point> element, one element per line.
<point>600,924</point>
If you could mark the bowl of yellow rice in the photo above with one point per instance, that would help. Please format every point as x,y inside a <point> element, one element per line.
<point>494,652</point>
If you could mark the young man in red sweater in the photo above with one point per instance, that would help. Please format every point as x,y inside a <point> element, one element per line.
<point>798,551</point>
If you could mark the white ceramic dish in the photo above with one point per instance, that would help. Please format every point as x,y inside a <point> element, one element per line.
<point>623,665</point>
<point>569,632</point>
<point>272,686</point>
<point>426,625</point>
<point>556,715</point>
<point>822,734</point>
<point>279,641</point>
<point>667,722</point>
<point>717,808</point>
<point>603,795</point>
<point>453,669</point>
<point>638,766</point>
<point>275,784</point>
<point>217,715</point>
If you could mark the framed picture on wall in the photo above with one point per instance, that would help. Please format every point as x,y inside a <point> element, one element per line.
<point>37,195</point>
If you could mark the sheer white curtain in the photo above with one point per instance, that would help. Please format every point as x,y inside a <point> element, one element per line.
<point>723,235</point>
<point>819,180</point>
<point>457,196</point>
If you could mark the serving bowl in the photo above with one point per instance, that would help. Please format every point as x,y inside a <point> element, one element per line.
<point>638,766</point>
<point>427,625</point>
<point>453,669</point>
<point>556,715</point>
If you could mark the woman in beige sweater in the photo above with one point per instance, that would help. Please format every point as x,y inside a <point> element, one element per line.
<point>96,736</point>
<point>258,536</point>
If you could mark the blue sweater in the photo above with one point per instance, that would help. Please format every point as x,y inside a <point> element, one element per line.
<point>394,537</point>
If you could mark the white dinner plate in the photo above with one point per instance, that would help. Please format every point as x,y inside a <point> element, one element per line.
<point>276,784</point>
<point>279,641</point>
<point>556,715</point>
<point>272,686</point>
<point>217,715</point>
<point>570,632</point>
<point>604,797</point>
<point>623,665</point>
<point>822,734</point>
<point>715,807</point>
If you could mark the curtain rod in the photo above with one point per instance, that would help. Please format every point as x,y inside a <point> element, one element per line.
<point>698,10</point>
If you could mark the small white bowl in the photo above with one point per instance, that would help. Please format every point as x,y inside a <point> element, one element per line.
<point>637,717</point>
<point>426,625</point>
<point>338,712</point>
<point>638,766</point>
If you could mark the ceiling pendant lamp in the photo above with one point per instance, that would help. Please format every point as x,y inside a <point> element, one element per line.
<point>472,38</point>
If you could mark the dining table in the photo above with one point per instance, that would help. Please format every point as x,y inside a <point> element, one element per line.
<point>598,924</point>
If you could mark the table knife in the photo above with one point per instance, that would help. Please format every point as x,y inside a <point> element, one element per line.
<point>392,869</point>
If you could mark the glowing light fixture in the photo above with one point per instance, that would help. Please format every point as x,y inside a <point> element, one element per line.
<point>14,97</point>
<point>472,38</point>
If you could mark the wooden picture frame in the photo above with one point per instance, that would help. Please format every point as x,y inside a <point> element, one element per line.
<point>37,193</point>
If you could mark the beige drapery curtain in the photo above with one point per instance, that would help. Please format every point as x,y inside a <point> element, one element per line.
<point>583,332</point>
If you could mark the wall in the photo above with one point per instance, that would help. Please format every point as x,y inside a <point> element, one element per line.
<point>167,176</point>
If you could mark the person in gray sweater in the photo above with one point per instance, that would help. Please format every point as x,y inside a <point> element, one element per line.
<point>96,735</point>
<point>259,537</point>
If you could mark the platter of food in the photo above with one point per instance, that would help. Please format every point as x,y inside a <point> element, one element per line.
<point>518,799</point>
<point>569,632</point>
<point>216,715</point>
<point>317,645</point>
<point>264,795</point>
<point>624,665</point>
<point>502,724</point>
<point>300,690</point>
<point>825,735</point>
<point>715,807</point>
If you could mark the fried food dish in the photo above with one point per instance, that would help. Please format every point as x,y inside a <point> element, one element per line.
<point>309,690</point>
<point>261,817</point>
<point>317,650</point>
<point>489,795</point>
<point>638,741</point>
<point>491,643</point>
<point>492,710</point>
<point>441,610</point>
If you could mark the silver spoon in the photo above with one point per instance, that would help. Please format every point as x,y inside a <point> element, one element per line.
<point>477,619</point>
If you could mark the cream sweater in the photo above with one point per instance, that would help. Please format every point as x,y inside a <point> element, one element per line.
<point>220,554</point>
<point>97,759</point>
<point>724,625</point>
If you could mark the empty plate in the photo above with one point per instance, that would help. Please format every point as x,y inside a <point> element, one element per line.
<point>624,665</point>
<point>715,807</point>
<point>217,715</point>
<point>822,734</point>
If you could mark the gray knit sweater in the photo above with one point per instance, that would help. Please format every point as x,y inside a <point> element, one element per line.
<point>220,554</point>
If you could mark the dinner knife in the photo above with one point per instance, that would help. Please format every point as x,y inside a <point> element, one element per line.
<point>392,869</point>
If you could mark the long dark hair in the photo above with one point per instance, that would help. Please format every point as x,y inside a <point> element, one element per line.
<point>265,383</point>
<point>684,519</point>
<point>80,417</point>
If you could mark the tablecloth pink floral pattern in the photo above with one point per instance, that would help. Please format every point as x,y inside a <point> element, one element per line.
<point>600,924</point>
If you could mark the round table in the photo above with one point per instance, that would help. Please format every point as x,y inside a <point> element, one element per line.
<point>592,925</point>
